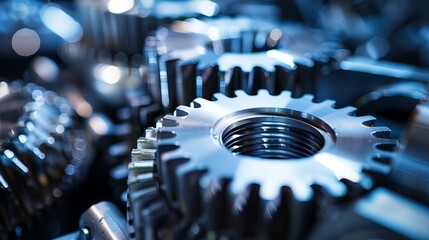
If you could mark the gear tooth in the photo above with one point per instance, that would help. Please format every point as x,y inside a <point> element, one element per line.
<point>220,96</point>
<point>169,121</point>
<point>141,166</point>
<point>142,154</point>
<point>328,102</point>
<point>276,215</point>
<point>285,94</point>
<point>349,110</point>
<point>331,184</point>
<point>216,205</point>
<point>139,199</point>
<point>143,179</point>
<point>153,216</point>
<point>263,92</point>
<point>377,167</point>
<point>182,111</point>
<point>240,93</point>
<point>189,189</point>
<point>307,97</point>
<point>146,143</point>
<point>245,211</point>
<point>170,162</point>
<point>151,133</point>
<point>366,182</point>
<point>381,132</point>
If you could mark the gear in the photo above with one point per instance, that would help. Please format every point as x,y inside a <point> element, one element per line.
<point>143,188</point>
<point>118,26</point>
<point>241,167</point>
<point>42,152</point>
<point>197,58</point>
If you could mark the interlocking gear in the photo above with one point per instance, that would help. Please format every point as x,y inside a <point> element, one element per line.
<point>245,166</point>
<point>197,58</point>
<point>42,152</point>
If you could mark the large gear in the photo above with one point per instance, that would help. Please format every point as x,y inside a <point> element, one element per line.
<point>197,58</point>
<point>43,153</point>
<point>266,160</point>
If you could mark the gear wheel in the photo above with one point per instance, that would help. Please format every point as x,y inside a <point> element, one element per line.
<point>42,153</point>
<point>197,58</point>
<point>246,166</point>
<point>119,26</point>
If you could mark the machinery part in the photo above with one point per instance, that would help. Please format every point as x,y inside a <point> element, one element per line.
<point>359,76</point>
<point>118,26</point>
<point>143,187</point>
<point>197,58</point>
<point>266,159</point>
<point>103,221</point>
<point>393,104</point>
<point>110,55</point>
<point>410,167</point>
<point>371,217</point>
<point>43,152</point>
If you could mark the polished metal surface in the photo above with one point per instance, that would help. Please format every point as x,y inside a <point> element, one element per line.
<point>252,150</point>
<point>245,160</point>
<point>103,221</point>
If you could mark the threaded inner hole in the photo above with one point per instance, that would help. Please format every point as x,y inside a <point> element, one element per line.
<point>273,137</point>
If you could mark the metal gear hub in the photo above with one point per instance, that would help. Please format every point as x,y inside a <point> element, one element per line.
<point>250,163</point>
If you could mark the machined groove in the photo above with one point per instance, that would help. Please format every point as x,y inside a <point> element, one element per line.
<point>274,137</point>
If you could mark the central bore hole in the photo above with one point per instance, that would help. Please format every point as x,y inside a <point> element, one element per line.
<point>273,137</point>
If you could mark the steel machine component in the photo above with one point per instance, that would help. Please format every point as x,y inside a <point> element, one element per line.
<point>240,167</point>
<point>44,153</point>
<point>103,221</point>
<point>197,58</point>
<point>410,168</point>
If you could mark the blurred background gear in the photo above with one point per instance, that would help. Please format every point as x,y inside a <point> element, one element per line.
<point>200,57</point>
<point>83,81</point>
<point>45,154</point>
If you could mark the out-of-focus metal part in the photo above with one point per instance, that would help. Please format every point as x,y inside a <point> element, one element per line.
<point>197,58</point>
<point>359,76</point>
<point>382,214</point>
<point>121,26</point>
<point>240,167</point>
<point>109,58</point>
<point>103,221</point>
<point>43,152</point>
<point>392,104</point>
<point>411,167</point>
<point>260,9</point>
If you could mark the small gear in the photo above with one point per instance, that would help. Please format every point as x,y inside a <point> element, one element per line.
<point>246,166</point>
<point>142,186</point>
